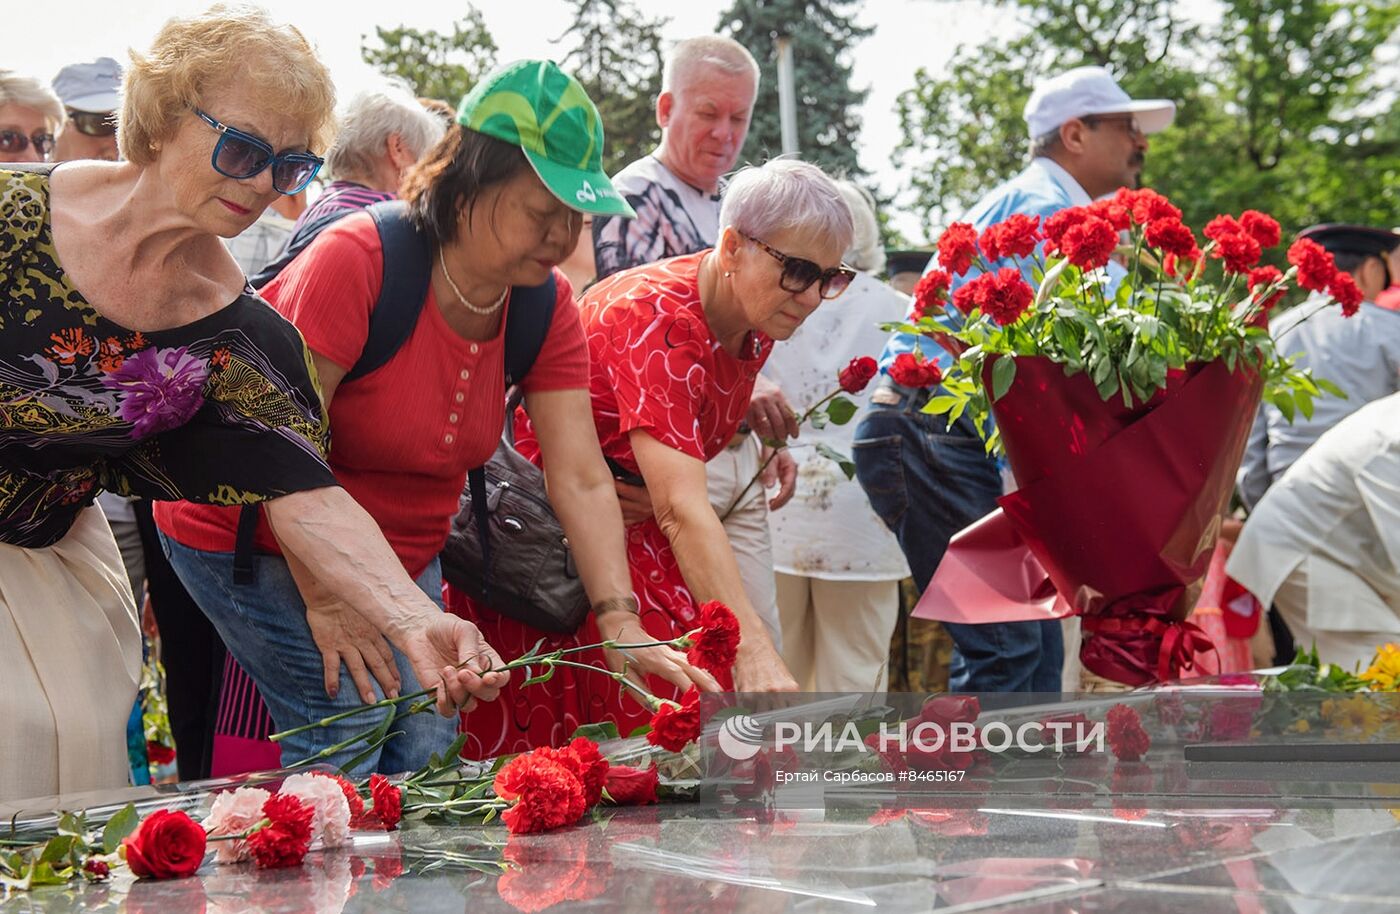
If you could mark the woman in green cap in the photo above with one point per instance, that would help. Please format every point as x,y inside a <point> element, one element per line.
<point>498,204</point>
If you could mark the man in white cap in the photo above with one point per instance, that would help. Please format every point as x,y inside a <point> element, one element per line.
<point>927,481</point>
<point>90,94</point>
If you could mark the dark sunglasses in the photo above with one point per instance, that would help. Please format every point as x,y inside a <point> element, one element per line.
<point>93,123</point>
<point>799,274</point>
<point>14,141</point>
<point>240,156</point>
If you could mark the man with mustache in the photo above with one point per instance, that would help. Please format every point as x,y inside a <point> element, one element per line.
<point>928,481</point>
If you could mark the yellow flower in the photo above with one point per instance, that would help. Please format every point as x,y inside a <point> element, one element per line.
<point>1384,673</point>
<point>1300,726</point>
<point>1357,714</point>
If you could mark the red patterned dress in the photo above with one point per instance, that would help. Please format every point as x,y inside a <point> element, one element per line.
<point>655,365</point>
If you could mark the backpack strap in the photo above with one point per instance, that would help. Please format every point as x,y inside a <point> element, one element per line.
<point>391,323</point>
<point>298,243</point>
<point>527,324</point>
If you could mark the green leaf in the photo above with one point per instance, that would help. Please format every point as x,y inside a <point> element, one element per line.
<point>545,676</point>
<point>840,410</point>
<point>1284,401</point>
<point>941,404</point>
<point>598,732</point>
<point>1330,387</point>
<point>818,420</point>
<point>118,827</point>
<point>643,730</point>
<point>1305,403</point>
<point>1003,373</point>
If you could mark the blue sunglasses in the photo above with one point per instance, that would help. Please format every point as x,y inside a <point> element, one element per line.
<point>239,155</point>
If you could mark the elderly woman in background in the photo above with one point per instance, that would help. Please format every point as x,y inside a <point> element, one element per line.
<point>838,567</point>
<point>30,115</point>
<point>132,358</point>
<point>496,229</point>
<point>675,347</point>
<point>383,132</point>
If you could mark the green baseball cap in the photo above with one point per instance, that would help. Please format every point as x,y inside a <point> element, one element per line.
<point>537,106</point>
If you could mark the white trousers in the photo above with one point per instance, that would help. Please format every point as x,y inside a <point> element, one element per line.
<point>70,664</point>
<point>1342,647</point>
<point>836,634</point>
<point>747,526</point>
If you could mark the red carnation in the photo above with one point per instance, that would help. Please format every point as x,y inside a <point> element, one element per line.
<point>911,370</point>
<point>1147,205</point>
<point>990,243</point>
<point>1016,236</point>
<point>352,796</point>
<point>1004,295</point>
<point>166,845</point>
<point>1059,223</point>
<point>1089,244</point>
<point>1347,293</point>
<point>674,727</point>
<point>1263,278</point>
<point>1181,267</point>
<point>1126,737</point>
<point>857,374</point>
<point>1316,268</point>
<point>1113,212</point>
<point>717,644</point>
<point>632,786</point>
<point>545,794</point>
<point>957,248</point>
<point>1171,236</point>
<point>388,801</point>
<point>283,842</point>
<point>157,754</point>
<point>1222,227</point>
<point>931,293</point>
<point>1261,226</point>
<point>1240,252</point>
<point>96,870</point>
<point>590,767</point>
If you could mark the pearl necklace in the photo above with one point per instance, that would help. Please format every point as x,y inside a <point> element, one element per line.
<point>475,309</point>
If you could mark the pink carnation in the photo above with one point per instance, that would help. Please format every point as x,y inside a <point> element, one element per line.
<point>233,814</point>
<point>331,825</point>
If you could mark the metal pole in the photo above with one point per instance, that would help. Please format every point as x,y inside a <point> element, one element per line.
<point>787,96</point>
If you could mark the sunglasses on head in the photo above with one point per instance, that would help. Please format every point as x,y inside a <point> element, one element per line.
<point>240,156</point>
<point>92,123</point>
<point>14,141</point>
<point>799,273</point>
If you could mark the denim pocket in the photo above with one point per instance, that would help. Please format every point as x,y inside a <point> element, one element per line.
<point>880,472</point>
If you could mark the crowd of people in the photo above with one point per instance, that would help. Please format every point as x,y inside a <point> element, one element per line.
<point>249,403</point>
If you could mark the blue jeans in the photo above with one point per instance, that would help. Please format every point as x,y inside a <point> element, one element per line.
<point>927,482</point>
<point>264,625</point>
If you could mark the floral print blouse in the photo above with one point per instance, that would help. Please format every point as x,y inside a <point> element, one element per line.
<point>225,410</point>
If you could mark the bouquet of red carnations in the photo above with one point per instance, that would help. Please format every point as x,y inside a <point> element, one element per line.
<point>1123,385</point>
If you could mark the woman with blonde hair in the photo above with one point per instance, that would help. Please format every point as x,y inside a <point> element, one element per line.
<point>133,358</point>
<point>30,115</point>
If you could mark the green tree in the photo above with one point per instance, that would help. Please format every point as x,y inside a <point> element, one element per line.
<point>1277,106</point>
<point>436,64</point>
<point>823,34</point>
<point>618,58</point>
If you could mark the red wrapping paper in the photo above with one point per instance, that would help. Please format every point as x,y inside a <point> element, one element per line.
<point>1118,511</point>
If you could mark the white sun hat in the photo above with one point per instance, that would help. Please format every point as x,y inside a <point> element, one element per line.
<point>1091,90</point>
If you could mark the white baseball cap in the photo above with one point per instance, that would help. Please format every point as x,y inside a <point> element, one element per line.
<point>1090,90</point>
<point>90,86</point>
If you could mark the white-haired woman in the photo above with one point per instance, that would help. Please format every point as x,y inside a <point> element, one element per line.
<point>132,358</point>
<point>384,131</point>
<point>30,115</point>
<point>838,566</point>
<point>674,349</point>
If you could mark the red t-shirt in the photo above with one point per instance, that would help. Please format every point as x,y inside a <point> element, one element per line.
<point>404,436</point>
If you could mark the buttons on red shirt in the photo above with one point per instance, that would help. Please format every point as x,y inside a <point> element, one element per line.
<point>465,374</point>
<point>459,397</point>
<point>475,349</point>
<point>448,439</point>
<point>451,417</point>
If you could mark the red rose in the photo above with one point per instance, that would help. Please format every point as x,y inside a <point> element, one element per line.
<point>1113,212</point>
<point>1222,227</point>
<point>1240,252</point>
<point>157,754</point>
<point>857,374</point>
<point>911,370</point>
<point>1263,278</point>
<point>591,768</point>
<point>1261,226</point>
<point>717,645</point>
<point>1171,236</point>
<point>1089,244</point>
<point>1126,737</point>
<point>672,727</point>
<point>1315,266</point>
<point>628,786</point>
<point>544,793</point>
<point>166,845</point>
<point>1057,224</point>
<point>931,293</point>
<point>388,801</point>
<point>1003,296</point>
<point>950,709</point>
<point>1345,290</point>
<point>352,797</point>
<point>957,248</point>
<point>283,842</point>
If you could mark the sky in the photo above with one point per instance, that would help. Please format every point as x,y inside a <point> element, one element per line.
<point>884,63</point>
